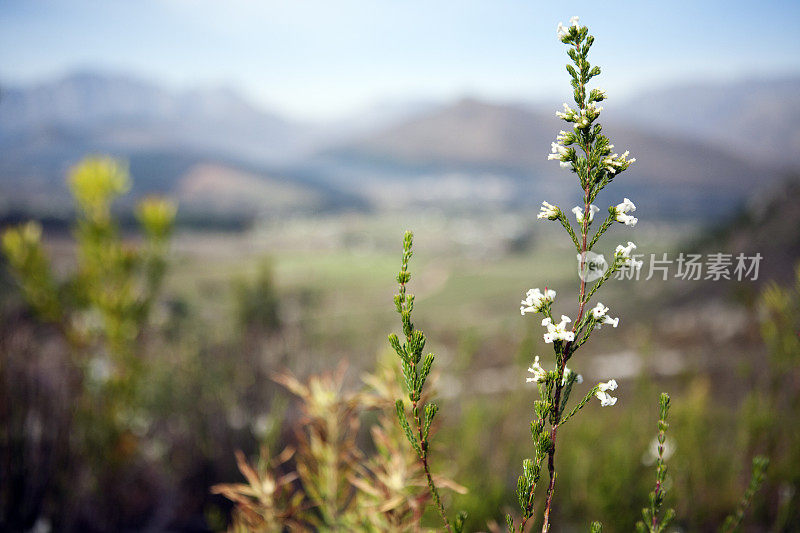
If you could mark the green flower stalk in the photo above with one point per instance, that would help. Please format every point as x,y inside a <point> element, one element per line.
<point>588,154</point>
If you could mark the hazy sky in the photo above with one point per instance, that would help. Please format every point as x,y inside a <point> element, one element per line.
<point>322,58</point>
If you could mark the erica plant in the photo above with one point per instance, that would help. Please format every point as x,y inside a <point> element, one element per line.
<point>583,150</point>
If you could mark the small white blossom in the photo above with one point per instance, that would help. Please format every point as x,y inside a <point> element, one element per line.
<point>557,332</point>
<point>600,314</point>
<point>614,162</point>
<point>548,211</point>
<point>573,21</point>
<point>562,31</point>
<point>606,400</point>
<point>599,311</point>
<point>621,213</point>
<point>579,212</point>
<point>602,394</point>
<point>594,110</point>
<point>557,152</point>
<point>535,300</point>
<point>624,252</point>
<point>614,322</point>
<point>539,373</point>
<point>568,114</point>
<point>608,385</point>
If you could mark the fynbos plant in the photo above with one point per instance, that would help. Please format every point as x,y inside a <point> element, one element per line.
<point>589,155</point>
<point>415,373</point>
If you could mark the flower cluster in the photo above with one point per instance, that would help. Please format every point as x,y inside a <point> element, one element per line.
<point>558,332</point>
<point>614,163</point>
<point>540,374</point>
<point>549,211</point>
<point>565,32</point>
<point>621,213</point>
<point>602,394</point>
<point>561,153</point>
<point>536,300</point>
<point>623,255</point>
<point>600,316</point>
<point>581,118</point>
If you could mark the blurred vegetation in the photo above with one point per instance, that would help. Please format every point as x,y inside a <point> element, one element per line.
<point>129,377</point>
<point>339,487</point>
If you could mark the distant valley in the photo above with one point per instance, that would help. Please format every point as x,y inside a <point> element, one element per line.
<point>218,154</point>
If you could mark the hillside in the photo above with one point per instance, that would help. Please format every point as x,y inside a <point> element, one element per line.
<point>672,174</point>
<point>701,150</point>
<point>103,112</point>
<point>753,116</point>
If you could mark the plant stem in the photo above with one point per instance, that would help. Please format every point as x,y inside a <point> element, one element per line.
<point>424,458</point>
<point>551,455</point>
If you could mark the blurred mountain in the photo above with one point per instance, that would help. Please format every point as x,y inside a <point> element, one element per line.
<point>103,112</point>
<point>673,175</point>
<point>701,150</point>
<point>756,117</point>
<point>212,191</point>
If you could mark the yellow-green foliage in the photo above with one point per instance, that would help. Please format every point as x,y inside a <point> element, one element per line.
<point>100,310</point>
<point>23,248</point>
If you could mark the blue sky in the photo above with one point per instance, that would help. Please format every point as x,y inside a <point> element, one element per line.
<point>323,58</point>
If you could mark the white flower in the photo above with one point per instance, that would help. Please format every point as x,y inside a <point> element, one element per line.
<point>594,110</point>
<point>599,311</point>
<point>624,252</point>
<point>626,206</point>
<point>608,385</point>
<point>568,114</point>
<point>602,393</point>
<point>535,300</point>
<point>558,332</point>
<point>573,21</point>
<point>548,211</point>
<point>567,372</point>
<point>600,314</point>
<point>621,210</point>
<point>606,400</point>
<point>539,373</point>
<point>557,152</point>
<point>608,320</point>
<point>615,162</point>
<point>579,212</point>
<point>562,31</point>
